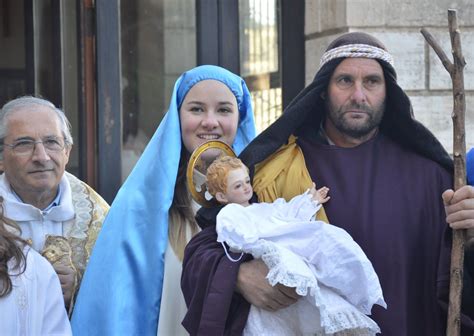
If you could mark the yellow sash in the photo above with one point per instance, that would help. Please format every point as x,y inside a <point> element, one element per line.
<point>284,174</point>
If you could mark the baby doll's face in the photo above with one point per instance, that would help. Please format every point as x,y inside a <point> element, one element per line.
<point>239,190</point>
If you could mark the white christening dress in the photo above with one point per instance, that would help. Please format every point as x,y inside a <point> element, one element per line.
<point>326,266</point>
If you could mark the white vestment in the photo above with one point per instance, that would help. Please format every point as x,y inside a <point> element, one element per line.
<point>78,217</point>
<point>35,224</point>
<point>35,305</point>
<point>320,260</point>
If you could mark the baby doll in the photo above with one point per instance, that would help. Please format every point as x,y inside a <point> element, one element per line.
<point>322,262</point>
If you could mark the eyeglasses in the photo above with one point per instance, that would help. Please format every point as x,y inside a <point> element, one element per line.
<point>27,147</point>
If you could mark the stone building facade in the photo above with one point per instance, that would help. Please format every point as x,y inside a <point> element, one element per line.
<point>397,24</point>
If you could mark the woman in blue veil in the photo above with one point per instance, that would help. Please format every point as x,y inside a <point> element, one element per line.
<point>139,249</point>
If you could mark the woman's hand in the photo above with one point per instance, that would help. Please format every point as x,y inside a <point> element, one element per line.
<point>255,288</point>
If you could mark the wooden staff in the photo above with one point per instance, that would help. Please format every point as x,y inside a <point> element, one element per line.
<point>459,152</point>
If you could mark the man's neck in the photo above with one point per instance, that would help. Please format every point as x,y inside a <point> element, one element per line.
<point>339,139</point>
<point>38,200</point>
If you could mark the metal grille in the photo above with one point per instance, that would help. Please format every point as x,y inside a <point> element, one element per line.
<point>267,107</point>
<point>260,59</point>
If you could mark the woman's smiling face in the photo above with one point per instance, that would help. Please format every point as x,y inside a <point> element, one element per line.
<point>208,112</point>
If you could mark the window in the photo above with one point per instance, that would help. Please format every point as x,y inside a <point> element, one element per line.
<point>259,58</point>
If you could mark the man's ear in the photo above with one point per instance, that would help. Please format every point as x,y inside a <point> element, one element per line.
<point>1,166</point>
<point>68,151</point>
<point>220,197</point>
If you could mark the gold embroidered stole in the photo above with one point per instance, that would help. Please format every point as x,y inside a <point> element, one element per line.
<point>80,233</point>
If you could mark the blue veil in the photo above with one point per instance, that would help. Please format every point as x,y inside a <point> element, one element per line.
<point>470,167</point>
<point>120,293</point>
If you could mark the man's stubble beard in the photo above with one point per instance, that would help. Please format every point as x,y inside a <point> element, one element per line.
<point>354,130</point>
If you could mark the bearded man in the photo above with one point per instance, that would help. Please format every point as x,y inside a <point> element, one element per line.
<point>352,129</point>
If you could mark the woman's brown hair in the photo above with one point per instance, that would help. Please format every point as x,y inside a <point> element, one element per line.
<point>181,213</point>
<point>11,247</point>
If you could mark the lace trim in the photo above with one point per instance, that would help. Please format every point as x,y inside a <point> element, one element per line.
<point>344,323</point>
<point>338,321</point>
<point>278,273</point>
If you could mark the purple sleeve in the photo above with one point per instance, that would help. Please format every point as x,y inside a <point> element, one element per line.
<point>208,283</point>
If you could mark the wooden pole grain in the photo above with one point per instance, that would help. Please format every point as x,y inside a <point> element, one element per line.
<point>455,70</point>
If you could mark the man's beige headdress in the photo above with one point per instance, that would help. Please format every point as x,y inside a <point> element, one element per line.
<point>356,51</point>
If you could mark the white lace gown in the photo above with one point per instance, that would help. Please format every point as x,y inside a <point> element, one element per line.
<point>35,306</point>
<point>320,260</point>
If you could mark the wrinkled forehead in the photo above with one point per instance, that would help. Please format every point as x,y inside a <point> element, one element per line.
<point>29,119</point>
<point>358,66</point>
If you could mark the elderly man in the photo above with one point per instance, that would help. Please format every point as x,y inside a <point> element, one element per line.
<point>352,130</point>
<point>59,214</point>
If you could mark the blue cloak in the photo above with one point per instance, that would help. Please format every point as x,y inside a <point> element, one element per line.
<point>120,293</point>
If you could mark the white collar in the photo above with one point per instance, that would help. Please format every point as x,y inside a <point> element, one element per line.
<point>19,211</point>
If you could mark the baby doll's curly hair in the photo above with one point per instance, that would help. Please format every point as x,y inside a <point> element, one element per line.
<point>219,170</point>
<point>11,247</point>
